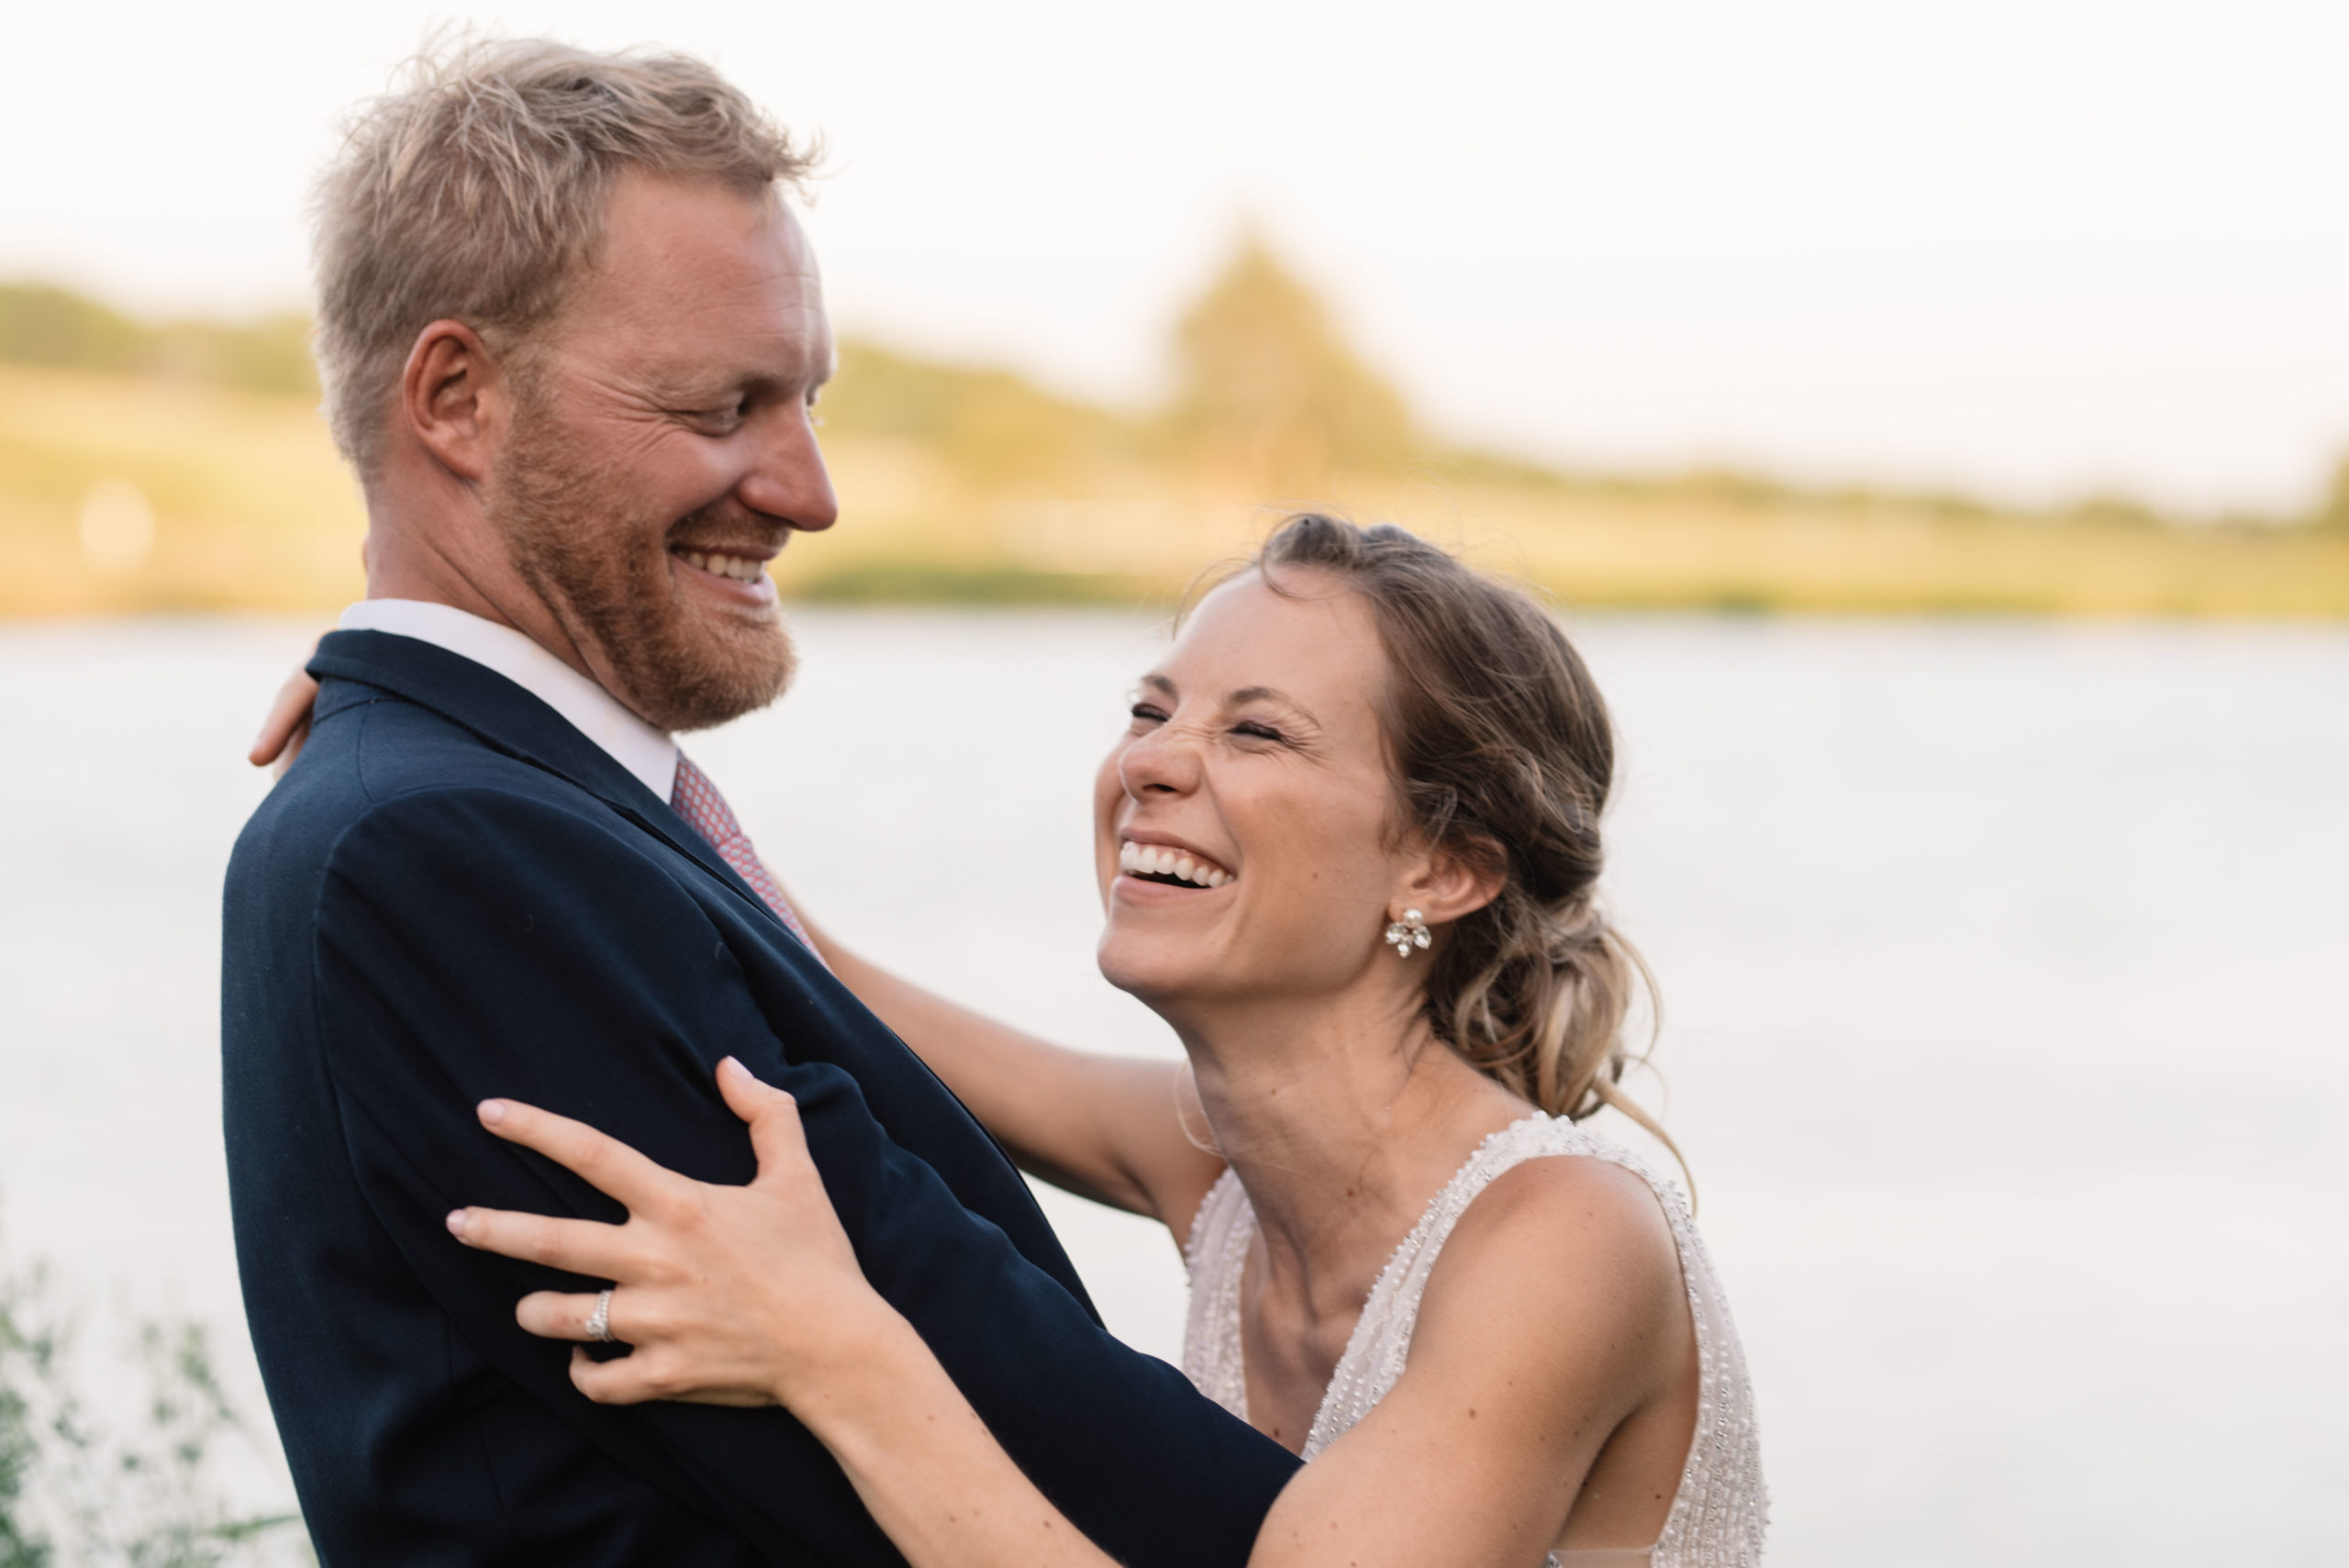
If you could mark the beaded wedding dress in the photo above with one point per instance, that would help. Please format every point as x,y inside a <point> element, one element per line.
<point>1717,1514</point>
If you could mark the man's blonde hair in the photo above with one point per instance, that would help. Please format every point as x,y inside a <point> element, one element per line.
<point>476,189</point>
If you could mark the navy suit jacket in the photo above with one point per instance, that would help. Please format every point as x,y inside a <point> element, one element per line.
<point>455,894</point>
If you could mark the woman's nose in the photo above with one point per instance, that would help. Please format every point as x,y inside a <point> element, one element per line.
<point>1164,761</point>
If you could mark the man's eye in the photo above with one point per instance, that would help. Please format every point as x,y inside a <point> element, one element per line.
<point>1148,713</point>
<point>1254,730</point>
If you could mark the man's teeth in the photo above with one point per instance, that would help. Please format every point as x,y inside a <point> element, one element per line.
<point>1149,860</point>
<point>741,568</point>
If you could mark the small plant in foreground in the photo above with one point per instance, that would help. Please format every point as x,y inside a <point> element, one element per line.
<point>72,1495</point>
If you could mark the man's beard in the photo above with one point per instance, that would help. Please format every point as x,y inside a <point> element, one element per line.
<point>677,669</point>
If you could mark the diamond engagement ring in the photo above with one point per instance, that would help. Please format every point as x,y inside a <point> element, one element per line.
<point>599,1322</point>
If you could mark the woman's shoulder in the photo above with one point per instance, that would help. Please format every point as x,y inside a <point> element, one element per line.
<point>1552,1311</point>
<point>1570,1243</point>
<point>1583,1200</point>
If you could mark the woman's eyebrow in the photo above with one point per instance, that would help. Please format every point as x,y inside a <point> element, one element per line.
<point>1239,698</point>
<point>1300,713</point>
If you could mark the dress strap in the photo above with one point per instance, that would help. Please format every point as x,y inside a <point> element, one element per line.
<point>1215,1252</point>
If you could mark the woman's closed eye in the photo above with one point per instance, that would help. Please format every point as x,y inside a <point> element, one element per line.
<point>1149,715</point>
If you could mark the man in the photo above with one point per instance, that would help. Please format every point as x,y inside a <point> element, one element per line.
<point>571,336</point>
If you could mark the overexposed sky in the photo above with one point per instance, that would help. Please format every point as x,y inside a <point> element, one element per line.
<point>2036,248</point>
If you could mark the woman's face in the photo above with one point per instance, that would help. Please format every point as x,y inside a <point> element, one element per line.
<point>1244,823</point>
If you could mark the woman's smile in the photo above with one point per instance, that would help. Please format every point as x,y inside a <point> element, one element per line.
<point>1165,863</point>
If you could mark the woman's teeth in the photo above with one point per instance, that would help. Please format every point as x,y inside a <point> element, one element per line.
<point>1152,860</point>
<point>741,568</point>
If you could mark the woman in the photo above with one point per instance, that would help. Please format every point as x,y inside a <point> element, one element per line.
<point>1348,848</point>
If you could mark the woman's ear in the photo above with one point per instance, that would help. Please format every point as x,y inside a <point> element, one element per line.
<point>1450,882</point>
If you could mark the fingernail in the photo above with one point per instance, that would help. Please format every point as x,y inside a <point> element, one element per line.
<point>493,1112</point>
<point>736,1068</point>
<point>457,1222</point>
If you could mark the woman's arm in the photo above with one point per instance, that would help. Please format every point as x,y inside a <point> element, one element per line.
<point>1517,1378</point>
<point>929,1471</point>
<point>1106,1127</point>
<point>1518,1373</point>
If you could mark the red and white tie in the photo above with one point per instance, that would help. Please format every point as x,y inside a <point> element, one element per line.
<point>706,811</point>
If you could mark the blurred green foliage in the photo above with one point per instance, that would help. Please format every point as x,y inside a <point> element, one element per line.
<point>21,1545</point>
<point>994,425</point>
<point>44,324</point>
<point>1270,393</point>
<point>1269,399</point>
<point>72,1495</point>
<point>976,484</point>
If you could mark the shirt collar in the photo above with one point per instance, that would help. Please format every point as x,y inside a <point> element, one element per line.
<point>635,745</point>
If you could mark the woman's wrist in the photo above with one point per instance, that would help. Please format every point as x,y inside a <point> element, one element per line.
<point>885,1398</point>
<point>926,1465</point>
<point>871,1344</point>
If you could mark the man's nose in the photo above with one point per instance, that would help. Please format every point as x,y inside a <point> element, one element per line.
<point>788,480</point>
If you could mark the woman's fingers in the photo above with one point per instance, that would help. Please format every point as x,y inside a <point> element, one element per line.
<point>551,1315</point>
<point>615,1382</point>
<point>288,723</point>
<point>776,1136</point>
<point>604,1162</point>
<point>726,1293</point>
<point>662,1371</point>
<point>575,1246</point>
<point>652,1374</point>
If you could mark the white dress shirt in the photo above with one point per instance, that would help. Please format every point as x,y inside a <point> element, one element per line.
<point>635,745</point>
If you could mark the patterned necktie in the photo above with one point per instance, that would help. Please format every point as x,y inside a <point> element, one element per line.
<point>706,811</point>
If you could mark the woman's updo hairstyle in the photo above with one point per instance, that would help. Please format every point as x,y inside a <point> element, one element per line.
<point>1502,754</point>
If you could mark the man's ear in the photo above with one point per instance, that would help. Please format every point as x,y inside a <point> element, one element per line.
<point>454,399</point>
<point>1450,882</point>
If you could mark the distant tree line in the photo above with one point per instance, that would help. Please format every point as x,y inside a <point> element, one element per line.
<point>44,324</point>
<point>1268,398</point>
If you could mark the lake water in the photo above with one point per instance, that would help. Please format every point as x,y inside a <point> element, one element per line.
<point>2003,964</point>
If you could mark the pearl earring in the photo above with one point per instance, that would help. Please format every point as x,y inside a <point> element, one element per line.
<point>1410,931</point>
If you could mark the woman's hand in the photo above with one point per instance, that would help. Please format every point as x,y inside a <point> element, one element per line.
<point>731,1296</point>
<point>751,1295</point>
<point>288,723</point>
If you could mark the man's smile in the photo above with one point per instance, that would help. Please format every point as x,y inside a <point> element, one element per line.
<point>741,568</point>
